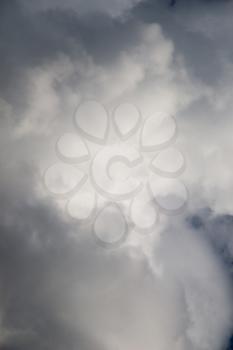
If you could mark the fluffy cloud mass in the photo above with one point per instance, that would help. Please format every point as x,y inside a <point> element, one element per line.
<point>170,289</point>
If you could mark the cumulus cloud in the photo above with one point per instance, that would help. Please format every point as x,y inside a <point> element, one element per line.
<point>58,289</point>
<point>195,30</point>
<point>149,73</point>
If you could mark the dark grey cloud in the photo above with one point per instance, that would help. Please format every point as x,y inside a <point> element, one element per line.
<point>30,40</point>
<point>181,22</point>
<point>219,229</point>
<point>33,39</point>
<point>113,8</point>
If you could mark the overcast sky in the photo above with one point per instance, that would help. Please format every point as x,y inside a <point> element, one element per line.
<point>172,288</point>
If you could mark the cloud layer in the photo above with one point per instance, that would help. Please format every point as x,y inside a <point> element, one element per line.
<point>58,289</point>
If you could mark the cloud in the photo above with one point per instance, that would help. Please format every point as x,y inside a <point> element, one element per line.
<point>57,288</point>
<point>200,30</point>
<point>149,74</point>
<point>218,228</point>
<point>114,8</point>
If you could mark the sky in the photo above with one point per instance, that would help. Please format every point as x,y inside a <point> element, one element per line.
<point>68,67</point>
